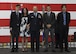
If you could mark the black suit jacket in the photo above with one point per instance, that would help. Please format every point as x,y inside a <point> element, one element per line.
<point>60,20</point>
<point>49,20</point>
<point>15,20</point>
<point>35,22</point>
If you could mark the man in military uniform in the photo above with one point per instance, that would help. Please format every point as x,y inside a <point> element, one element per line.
<point>35,22</point>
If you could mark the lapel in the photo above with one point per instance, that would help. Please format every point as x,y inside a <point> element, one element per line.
<point>37,15</point>
<point>62,16</point>
<point>18,18</point>
<point>34,15</point>
<point>15,14</point>
<point>50,15</point>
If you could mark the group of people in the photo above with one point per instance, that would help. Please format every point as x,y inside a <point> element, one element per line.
<point>24,24</point>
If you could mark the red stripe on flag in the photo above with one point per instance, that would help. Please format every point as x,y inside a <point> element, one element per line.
<point>6,22</point>
<point>73,23</point>
<point>7,39</point>
<point>55,7</point>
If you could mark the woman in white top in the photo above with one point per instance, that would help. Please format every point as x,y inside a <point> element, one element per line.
<point>24,30</point>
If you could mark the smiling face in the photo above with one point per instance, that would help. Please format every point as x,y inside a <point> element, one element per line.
<point>48,8</point>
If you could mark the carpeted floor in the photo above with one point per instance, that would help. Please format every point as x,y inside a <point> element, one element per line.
<point>7,51</point>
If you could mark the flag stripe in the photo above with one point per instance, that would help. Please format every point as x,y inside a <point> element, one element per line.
<point>4,14</point>
<point>5,31</point>
<point>54,7</point>
<point>6,22</point>
<point>6,39</point>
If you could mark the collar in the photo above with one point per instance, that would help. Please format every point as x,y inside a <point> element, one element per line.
<point>49,12</point>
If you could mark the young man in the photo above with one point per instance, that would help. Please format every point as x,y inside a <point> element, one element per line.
<point>63,20</point>
<point>49,22</point>
<point>15,20</point>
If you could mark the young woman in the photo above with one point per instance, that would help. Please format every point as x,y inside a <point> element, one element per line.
<point>24,28</point>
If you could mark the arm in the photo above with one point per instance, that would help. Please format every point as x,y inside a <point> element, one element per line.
<point>41,22</point>
<point>69,18</point>
<point>29,19</point>
<point>53,22</point>
<point>11,21</point>
<point>44,19</point>
<point>58,20</point>
<point>11,18</point>
<point>28,23</point>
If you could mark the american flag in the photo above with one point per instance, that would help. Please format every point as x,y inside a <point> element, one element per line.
<point>6,6</point>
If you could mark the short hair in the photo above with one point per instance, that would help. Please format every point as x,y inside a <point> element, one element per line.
<point>17,5</point>
<point>63,5</point>
<point>48,5</point>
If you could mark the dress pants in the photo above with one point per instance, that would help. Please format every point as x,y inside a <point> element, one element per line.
<point>57,38</point>
<point>64,38</point>
<point>35,35</point>
<point>51,30</point>
<point>15,34</point>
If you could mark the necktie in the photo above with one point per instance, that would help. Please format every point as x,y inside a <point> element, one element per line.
<point>17,14</point>
<point>64,17</point>
<point>48,13</point>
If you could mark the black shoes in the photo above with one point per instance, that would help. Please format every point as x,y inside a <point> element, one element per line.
<point>46,50</point>
<point>56,47</point>
<point>67,50</point>
<point>32,50</point>
<point>53,51</point>
<point>37,50</point>
<point>61,50</point>
<point>14,50</point>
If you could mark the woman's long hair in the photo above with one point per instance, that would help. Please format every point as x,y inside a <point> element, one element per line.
<point>23,11</point>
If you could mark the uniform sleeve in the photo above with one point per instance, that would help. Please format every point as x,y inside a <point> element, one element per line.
<point>41,27</point>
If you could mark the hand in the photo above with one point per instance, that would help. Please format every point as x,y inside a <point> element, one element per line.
<point>10,29</point>
<point>28,26</point>
<point>48,25</point>
<point>41,30</point>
